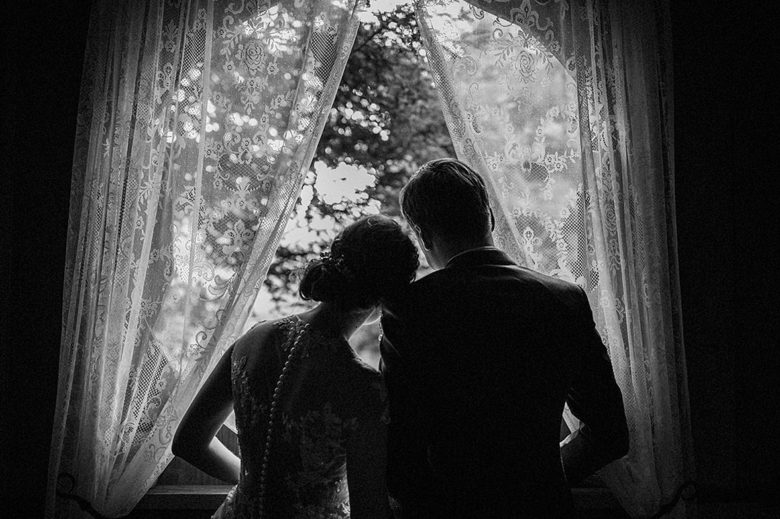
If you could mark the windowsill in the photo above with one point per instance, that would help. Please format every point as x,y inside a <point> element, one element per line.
<point>184,497</point>
<point>209,497</point>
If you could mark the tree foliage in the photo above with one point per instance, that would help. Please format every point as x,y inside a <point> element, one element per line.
<point>386,115</point>
<point>385,118</point>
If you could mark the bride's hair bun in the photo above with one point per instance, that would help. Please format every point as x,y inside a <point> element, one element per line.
<point>321,281</point>
<point>370,260</point>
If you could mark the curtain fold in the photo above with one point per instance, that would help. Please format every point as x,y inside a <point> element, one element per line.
<point>565,109</point>
<point>197,123</point>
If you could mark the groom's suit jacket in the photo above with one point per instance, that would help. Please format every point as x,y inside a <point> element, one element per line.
<point>479,358</point>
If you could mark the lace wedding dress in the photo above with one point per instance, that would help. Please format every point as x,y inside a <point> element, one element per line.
<point>311,423</point>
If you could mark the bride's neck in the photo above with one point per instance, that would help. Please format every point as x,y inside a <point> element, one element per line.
<point>331,319</point>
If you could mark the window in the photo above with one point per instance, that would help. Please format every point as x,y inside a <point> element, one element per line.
<point>385,122</point>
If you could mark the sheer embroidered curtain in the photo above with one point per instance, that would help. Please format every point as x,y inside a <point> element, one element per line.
<point>197,122</point>
<point>566,108</point>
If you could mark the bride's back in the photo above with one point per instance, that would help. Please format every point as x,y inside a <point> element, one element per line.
<point>325,399</point>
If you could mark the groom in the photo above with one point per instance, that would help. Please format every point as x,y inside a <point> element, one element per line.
<point>479,358</point>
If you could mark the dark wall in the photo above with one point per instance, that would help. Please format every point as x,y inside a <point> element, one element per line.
<point>43,53</point>
<point>728,241</point>
<point>727,227</point>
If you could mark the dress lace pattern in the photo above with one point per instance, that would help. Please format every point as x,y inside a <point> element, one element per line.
<point>318,409</point>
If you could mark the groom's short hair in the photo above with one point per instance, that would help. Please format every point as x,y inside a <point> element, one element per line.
<point>449,199</point>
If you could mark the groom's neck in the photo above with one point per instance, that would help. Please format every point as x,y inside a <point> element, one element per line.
<point>446,251</point>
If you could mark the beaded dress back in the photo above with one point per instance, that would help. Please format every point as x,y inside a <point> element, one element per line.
<point>299,397</point>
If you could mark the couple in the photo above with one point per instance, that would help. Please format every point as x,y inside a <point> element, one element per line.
<point>478,359</point>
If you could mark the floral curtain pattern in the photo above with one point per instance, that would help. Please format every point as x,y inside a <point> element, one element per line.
<point>565,109</point>
<point>197,123</point>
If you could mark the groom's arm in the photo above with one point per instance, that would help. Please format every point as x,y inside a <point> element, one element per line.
<point>408,474</point>
<point>595,399</point>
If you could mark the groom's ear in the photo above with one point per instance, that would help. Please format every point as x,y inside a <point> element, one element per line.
<point>423,237</point>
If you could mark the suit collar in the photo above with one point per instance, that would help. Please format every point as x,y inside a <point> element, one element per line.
<point>480,256</point>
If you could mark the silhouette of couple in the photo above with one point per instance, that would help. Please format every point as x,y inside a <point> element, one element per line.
<point>478,359</point>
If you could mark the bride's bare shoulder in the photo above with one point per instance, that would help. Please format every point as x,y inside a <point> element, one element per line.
<point>260,334</point>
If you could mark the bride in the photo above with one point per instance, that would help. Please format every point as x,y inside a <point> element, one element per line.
<point>310,416</point>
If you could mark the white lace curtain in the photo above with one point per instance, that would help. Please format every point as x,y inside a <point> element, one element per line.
<point>197,123</point>
<point>565,107</point>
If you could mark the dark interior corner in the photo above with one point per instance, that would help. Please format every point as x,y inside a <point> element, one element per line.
<point>727,225</point>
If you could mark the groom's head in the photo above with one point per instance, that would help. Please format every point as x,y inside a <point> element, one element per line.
<point>447,205</point>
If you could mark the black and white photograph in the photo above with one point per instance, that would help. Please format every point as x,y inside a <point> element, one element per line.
<point>390,259</point>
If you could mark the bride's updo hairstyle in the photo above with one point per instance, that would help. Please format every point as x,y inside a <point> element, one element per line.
<point>370,260</point>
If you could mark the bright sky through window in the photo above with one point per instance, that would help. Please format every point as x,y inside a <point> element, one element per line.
<point>379,5</point>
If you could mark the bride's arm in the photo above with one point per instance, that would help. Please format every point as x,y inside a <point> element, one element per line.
<point>195,439</point>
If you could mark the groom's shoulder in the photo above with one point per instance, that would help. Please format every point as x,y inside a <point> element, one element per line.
<point>415,296</point>
<point>552,283</point>
<point>566,292</point>
<point>449,284</point>
<point>427,286</point>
